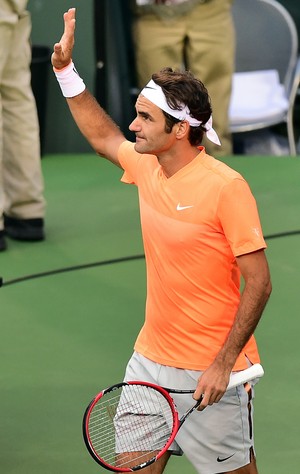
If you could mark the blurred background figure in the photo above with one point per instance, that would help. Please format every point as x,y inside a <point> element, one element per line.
<point>191,34</point>
<point>22,205</point>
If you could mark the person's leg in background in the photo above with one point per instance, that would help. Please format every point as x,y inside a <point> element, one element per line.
<point>6,25</point>
<point>24,204</point>
<point>2,239</point>
<point>158,43</point>
<point>210,55</point>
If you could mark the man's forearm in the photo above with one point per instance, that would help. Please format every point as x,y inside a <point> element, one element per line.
<point>252,304</point>
<point>95,124</point>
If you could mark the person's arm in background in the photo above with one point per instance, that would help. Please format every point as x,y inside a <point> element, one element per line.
<point>97,127</point>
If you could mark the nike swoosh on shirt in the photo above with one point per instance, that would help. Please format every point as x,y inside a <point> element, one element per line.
<point>224,459</point>
<point>181,208</point>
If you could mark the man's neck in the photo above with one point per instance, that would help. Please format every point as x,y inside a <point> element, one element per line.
<point>172,162</point>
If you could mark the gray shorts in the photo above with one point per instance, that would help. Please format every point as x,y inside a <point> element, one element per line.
<point>218,439</point>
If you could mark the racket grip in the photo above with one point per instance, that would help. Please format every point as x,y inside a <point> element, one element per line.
<point>238,378</point>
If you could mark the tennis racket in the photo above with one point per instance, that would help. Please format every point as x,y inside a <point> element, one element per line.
<point>130,425</point>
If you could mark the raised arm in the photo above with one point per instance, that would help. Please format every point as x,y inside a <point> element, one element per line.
<point>98,128</point>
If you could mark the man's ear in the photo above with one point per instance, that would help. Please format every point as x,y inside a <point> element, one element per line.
<point>182,129</point>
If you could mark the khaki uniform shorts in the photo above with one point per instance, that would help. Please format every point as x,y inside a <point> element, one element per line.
<point>218,439</point>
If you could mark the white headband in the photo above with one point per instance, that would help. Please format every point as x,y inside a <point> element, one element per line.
<point>154,93</point>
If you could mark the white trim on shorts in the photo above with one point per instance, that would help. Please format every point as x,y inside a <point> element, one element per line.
<point>218,439</point>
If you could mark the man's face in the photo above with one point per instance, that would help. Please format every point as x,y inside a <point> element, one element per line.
<point>149,128</point>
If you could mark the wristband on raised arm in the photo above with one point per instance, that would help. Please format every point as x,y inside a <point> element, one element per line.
<point>69,80</point>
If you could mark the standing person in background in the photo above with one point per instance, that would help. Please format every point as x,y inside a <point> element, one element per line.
<point>193,34</point>
<point>22,205</point>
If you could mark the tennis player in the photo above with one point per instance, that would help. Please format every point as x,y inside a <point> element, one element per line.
<point>202,234</point>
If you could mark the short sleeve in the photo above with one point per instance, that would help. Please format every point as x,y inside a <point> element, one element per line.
<point>129,160</point>
<point>239,218</point>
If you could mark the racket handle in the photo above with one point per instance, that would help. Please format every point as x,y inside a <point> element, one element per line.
<point>254,372</point>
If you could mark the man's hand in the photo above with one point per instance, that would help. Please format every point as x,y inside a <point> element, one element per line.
<point>211,385</point>
<point>62,54</point>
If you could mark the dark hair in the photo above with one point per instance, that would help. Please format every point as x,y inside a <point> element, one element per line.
<point>182,87</point>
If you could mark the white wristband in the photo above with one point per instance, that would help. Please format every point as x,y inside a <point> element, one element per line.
<point>69,80</point>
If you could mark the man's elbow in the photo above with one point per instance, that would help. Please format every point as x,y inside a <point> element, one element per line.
<point>268,289</point>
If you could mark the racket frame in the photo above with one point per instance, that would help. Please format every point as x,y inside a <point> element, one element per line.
<point>176,423</point>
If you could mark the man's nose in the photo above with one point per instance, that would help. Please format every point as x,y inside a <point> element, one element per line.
<point>134,126</point>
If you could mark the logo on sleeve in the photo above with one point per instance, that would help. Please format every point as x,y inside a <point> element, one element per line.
<point>256,231</point>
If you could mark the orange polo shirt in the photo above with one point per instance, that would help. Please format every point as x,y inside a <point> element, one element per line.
<point>194,224</point>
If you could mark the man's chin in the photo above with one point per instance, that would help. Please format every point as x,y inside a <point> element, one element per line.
<point>140,147</point>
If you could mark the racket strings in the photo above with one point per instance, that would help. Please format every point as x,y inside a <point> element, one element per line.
<point>130,425</point>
